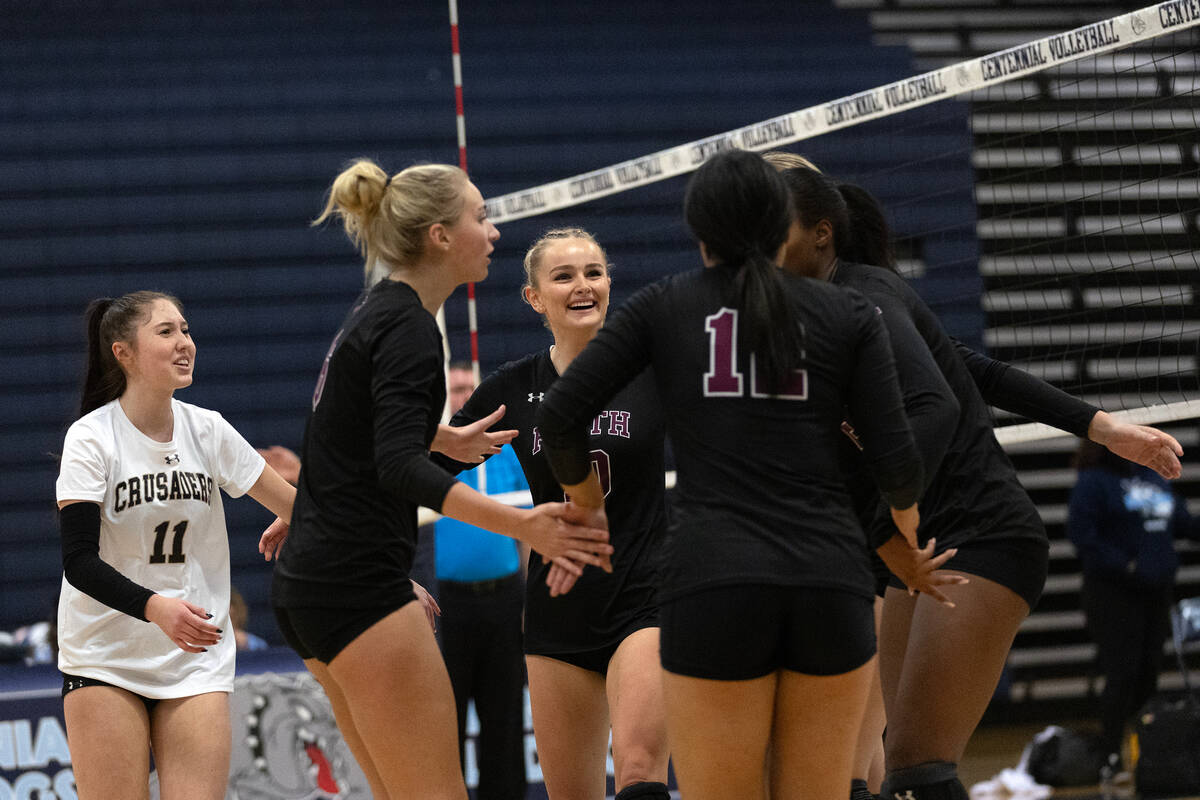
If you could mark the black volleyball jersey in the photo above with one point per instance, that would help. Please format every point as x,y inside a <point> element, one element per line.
<point>759,497</point>
<point>365,457</point>
<point>975,494</point>
<point>625,442</point>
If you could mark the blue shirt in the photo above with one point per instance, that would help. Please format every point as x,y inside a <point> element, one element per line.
<point>465,553</point>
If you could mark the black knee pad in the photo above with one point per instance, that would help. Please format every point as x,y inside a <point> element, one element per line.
<point>644,790</point>
<point>859,790</point>
<point>933,780</point>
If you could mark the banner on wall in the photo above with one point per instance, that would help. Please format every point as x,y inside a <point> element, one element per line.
<point>35,763</point>
<point>286,745</point>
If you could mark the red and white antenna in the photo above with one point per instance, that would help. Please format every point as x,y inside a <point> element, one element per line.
<point>456,58</point>
<point>460,122</point>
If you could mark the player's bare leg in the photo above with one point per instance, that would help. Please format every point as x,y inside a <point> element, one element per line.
<point>868,753</point>
<point>718,733</point>
<point>638,711</point>
<point>571,726</point>
<point>192,739</point>
<point>817,722</point>
<point>108,730</point>
<point>396,687</point>
<point>345,723</point>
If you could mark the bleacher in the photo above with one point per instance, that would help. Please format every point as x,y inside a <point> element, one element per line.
<point>1046,225</point>
<point>180,147</point>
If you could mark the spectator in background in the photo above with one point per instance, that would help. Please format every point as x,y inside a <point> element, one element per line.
<point>481,591</point>
<point>239,616</point>
<point>1123,520</point>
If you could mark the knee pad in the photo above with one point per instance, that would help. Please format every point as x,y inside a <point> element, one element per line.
<point>859,790</point>
<point>644,790</point>
<point>933,780</point>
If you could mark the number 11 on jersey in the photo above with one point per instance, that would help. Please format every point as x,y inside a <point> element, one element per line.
<point>158,556</point>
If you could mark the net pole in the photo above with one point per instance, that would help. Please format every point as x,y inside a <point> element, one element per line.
<point>461,127</point>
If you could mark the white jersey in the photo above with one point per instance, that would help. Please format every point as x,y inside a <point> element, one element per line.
<point>162,525</point>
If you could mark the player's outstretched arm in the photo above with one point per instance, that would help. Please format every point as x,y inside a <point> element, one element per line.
<point>472,443</point>
<point>1140,444</point>
<point>552,529</point>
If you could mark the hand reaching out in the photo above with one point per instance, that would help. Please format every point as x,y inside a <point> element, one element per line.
<point>567,531</point>
<point>563,571</point>
<point>470,444</point>
<point>1140,444</point>
<point>562,576</point>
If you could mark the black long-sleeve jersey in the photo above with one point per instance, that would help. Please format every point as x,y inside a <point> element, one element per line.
<point>625,445</point>
<point>975,493</point>
<point>366,457</point>
<point>759,497</point>
<point>1007,387</point>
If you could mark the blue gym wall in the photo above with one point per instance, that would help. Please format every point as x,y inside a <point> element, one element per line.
<point>186,147</point>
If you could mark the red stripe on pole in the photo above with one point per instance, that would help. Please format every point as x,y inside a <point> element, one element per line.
<point>454,39</point>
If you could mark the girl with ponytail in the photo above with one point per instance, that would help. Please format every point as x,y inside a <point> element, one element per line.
<point>341,591</point>
<point>144,540</point>
<point>766,598</point>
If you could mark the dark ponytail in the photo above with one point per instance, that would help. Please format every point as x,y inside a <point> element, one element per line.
<point>869,239</point>
<point>739,208</point>
<point>111,320</point>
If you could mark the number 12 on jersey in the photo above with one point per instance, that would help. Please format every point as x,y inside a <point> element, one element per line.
<point>724,379</point>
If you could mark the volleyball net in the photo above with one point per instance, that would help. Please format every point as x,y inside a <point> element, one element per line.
<point>1043,199</point>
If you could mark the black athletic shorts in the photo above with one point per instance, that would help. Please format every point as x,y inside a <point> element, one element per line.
<point>73,682</point>
<point>597,659</point>
<point>322,633</point>
<point>1020,565</point>
<point>734,633</point>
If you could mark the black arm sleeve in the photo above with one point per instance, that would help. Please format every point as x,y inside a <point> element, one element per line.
<point>90,574</point>
<point>403,370</point>
<point>929,402</point>
<point>618,353</point>
<point>1007,387</point>
<point>878,412</point>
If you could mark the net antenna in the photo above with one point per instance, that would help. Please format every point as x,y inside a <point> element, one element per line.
<point>472,317</point>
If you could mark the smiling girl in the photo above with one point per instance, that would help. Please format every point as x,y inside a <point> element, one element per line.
<point>144,540</point>
<point>591,653</point>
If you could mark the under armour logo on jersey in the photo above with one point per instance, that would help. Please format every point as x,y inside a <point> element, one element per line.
<point>172,459</point>
<point>908,795</point>
<point>538,395</point>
